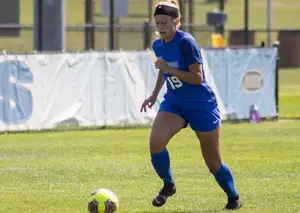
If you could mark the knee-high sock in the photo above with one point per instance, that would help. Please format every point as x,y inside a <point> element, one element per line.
<point>161,164</point>
<point>225,180</point>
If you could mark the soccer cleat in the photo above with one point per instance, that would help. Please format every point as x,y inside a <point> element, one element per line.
<point>234,203</point>
<point>167,191</point>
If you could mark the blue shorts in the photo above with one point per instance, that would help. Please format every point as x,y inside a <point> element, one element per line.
<point>199,120</point>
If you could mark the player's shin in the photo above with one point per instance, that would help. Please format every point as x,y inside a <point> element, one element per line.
<point>225,180</point>
<point>161,164</point>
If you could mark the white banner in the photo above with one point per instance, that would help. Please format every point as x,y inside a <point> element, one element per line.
<point>44,91</point>
<point>108,88</point>
<point>243,78</point>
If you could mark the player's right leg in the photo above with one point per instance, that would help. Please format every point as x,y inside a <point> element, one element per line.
<point>166,124</point>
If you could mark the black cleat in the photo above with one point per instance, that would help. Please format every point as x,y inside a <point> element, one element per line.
<point>167,191</point>
<point>234,203</point>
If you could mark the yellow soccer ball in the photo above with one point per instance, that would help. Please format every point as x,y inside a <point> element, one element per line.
<point>103,201</point>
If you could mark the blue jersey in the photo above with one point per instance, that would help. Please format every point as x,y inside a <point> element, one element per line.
<point>182,51</point>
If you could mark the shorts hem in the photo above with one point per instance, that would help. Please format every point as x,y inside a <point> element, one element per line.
<point>186,123</point>
<point>208,129</point>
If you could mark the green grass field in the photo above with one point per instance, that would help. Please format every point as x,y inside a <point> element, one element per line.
<point>55,172</point>
<point>289,93</point>
<point>257,15</point>
<point>134,40</point>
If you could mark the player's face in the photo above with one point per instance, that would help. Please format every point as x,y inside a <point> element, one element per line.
<point>166,26</point>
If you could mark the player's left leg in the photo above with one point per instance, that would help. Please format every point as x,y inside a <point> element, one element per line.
<point>210,147</point>
<point>207,125</point>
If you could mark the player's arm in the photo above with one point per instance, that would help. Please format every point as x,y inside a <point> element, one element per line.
<point>192,56</point>
<point>159,83</point>
<point>193,77</point>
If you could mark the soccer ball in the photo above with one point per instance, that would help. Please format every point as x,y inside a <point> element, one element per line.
<point>103,201</point>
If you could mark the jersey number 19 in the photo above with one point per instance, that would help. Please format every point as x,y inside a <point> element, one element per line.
<point>174,82</point>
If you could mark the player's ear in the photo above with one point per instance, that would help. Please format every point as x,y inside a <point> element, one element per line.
<point>176,21</point>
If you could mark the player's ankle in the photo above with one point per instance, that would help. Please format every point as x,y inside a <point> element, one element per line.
<point>168,183</point>
<point>234,198</point>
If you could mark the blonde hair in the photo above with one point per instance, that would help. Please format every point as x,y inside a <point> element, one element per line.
<point>171,3</point>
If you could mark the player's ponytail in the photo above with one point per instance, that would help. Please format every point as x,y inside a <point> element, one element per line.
<point>175,2</point>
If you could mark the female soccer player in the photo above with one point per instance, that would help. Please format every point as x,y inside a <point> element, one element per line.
<point>189,99</point>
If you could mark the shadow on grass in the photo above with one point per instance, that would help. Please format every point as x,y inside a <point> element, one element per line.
<point>195,211</point>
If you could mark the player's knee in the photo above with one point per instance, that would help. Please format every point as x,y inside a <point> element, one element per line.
<point>157,144</point>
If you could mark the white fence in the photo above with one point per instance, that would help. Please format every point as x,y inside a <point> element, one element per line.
<point>107,88</point>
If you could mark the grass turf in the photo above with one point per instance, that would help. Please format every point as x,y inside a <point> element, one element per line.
<point>134,40</point>
<point>289,93</point>
<point>55,172</point>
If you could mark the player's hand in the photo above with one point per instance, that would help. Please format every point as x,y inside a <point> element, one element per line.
<point>148,103</point>
<point>161,64</point>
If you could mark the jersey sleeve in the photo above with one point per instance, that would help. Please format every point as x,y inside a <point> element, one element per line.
<point>154,46</point>
<point>190,51</point>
